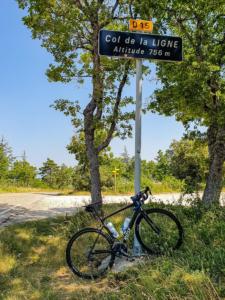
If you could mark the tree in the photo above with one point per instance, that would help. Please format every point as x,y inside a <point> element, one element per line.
<point>49,172</point>
<point>148,168</point>
<point>22,173</point>
<point>69,30</point>
<point>64,176</point>
<point>77,147</point>
<point>193,90</point>
<point>81,179</point>
<point>6,159</point>
<point>162,168</point>
<point>188,162</point>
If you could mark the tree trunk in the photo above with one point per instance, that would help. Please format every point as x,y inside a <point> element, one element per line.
<point>216,146</point>
<point>92,114</point>
<point>92,154</point>
<point>94,173</point>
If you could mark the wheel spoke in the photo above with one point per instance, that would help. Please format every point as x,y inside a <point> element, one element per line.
<point>159,231</point>
<point>86,252</point>
<point>153,225</point>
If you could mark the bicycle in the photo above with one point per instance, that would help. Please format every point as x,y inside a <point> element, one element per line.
<point>90,252</point>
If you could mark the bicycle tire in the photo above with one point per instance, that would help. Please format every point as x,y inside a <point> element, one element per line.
<point>75,262</point>
<point>168,227</point>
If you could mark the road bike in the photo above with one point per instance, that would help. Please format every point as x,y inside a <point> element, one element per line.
<point>91,251</point>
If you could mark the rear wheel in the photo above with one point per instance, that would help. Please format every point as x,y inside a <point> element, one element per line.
<point>158,231</point>
<point>89,253</point>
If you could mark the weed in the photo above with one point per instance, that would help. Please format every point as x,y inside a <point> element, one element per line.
<point>32,261</point>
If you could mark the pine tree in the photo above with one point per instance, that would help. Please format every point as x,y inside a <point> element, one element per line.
<point>6,159</point>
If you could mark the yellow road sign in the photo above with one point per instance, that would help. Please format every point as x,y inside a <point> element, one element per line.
<point>140,25</point>
<point>115,170</point>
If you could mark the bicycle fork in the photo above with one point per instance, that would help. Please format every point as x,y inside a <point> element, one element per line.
<point>154,227</point>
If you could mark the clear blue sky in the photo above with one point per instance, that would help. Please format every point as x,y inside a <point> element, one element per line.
<point>27,121</point>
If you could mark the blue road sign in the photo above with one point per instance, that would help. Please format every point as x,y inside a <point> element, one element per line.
<point>140,45</point>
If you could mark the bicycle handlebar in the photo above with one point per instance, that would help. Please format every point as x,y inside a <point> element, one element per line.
<point>142,195</point>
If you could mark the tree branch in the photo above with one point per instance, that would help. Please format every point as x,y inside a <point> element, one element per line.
<point>182,26</point>
<point>114,8</point>
<point>78,3</point>
<point>106,142</point>
<point>112,17</point>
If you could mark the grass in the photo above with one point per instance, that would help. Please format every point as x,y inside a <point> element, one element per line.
<point>123,188</point>
<point>157,188</point>
<point>109,192</point>
<point>21,189</point>
<point>68,192</point>
<point>32,262</point>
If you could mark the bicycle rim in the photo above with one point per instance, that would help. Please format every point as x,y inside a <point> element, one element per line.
<point>89,253</point>
<point>162,234</point>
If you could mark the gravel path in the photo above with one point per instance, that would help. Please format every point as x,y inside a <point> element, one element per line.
<point>20,207</point>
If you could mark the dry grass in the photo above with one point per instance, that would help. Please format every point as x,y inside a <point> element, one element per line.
<point>15,189</point>
<point>32,264</point>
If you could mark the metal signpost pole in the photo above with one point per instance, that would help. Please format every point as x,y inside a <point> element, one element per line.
<point>137,171</point>
<point>137,182</point>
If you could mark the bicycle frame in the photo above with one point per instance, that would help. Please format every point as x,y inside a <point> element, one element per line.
<point>137,211</point>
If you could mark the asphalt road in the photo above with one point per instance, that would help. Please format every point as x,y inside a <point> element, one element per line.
<point>21,207</point>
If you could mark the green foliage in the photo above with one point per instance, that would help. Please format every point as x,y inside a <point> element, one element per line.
<point>69,31</point>
<point>78,148</point>
<point>81,179</point>
<point>148,168</point>
<point>162,166</point>
<point>22,173</point>
<point>14,173</point>
<point>4,164</point>
<point>189,162</point>
<point>56,176</point>
<point>173,183</point>
<point>6,159</point>
<point>32,262</point>
<point>49,171</point>
<point>184,164</point>
<point>192,90</point>
<point>64,177</point>
<point>125,177</point>
<point>182,167</point>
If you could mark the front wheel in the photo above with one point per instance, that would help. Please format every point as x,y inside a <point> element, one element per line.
<point>89,253</point>
<point>158,231</point>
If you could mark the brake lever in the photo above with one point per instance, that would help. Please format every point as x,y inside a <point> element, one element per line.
<point>147,189</point>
